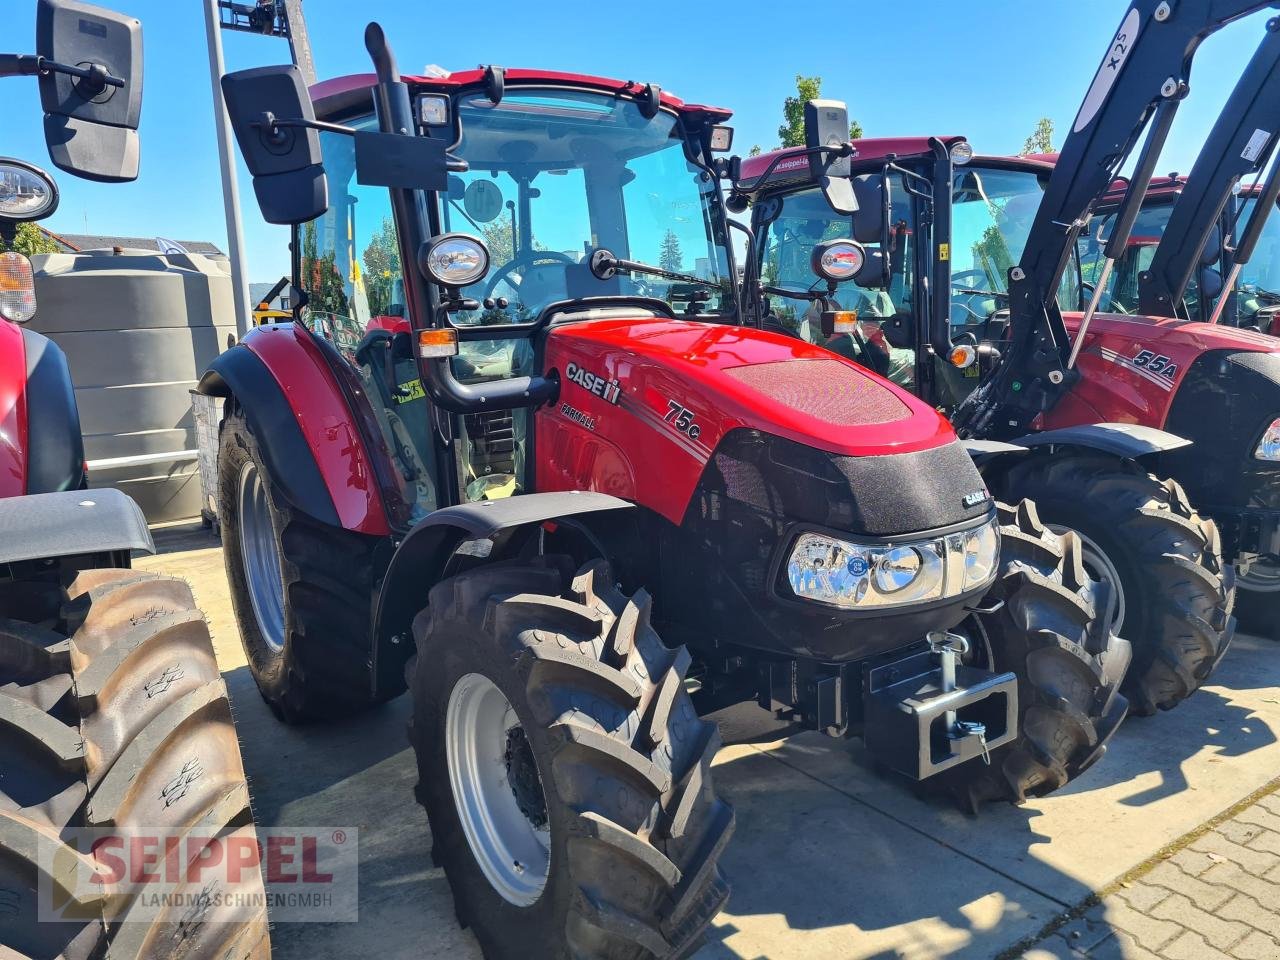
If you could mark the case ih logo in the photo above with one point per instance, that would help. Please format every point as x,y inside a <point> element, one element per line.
<point>608,390</point>
<point>141,875</point>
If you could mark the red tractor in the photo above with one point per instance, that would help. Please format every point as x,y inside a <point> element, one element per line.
<point>518,436</point>
<point>1191,256</point>
<point>114,719</point>
<point>964,261</point>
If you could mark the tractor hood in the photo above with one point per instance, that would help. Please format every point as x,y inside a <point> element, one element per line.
<point>644,403</point>
<point>1133,368</point>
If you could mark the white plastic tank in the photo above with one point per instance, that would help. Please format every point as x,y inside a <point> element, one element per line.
<point>138,328</point>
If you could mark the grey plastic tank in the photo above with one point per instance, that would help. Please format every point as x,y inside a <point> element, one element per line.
<point>138,328</point>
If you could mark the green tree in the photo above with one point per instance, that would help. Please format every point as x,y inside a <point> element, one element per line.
<point>670,256</point>
<point>381,268</point>
<point>1041,139</point>
<point>791,133</point>
<point>31,240</point>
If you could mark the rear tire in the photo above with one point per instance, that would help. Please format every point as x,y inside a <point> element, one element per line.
<point>1068,664</point>
<point>627,821</point>
<point>1177,592</point>
<point>125,725</point>
<point>302,590</point>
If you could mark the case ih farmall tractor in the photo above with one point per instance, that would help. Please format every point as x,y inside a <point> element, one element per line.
<point>113,713</point>
<point>1100,419</point>
<point>506,452</point>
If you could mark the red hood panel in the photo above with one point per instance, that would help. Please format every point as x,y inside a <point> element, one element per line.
<point>1131,366</point>
<point>13,411</point>
<point>644,403</point>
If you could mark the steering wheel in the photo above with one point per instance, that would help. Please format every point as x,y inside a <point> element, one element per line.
<point>526,259</point>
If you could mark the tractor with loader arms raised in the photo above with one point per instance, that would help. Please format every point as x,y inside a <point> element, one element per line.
<point>519,433</point>
<point>962,264</point>
<point>114,720</point>
<point>1205,248</point>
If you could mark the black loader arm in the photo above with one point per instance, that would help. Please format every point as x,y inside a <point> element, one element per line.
<point>1142,77</point>
<point>1240,144</point>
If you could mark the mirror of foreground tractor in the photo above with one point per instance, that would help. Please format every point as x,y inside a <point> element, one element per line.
<point>115,725</point>
<point>540,475</point>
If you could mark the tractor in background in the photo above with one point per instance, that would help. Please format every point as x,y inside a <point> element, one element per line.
<point>964,266</point>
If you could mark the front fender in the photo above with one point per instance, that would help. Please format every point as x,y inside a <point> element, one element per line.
<point>420,560</point>
<point>1130,441</point>
<point>307,430</point>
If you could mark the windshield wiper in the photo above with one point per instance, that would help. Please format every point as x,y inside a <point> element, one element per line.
<point>605,266</point>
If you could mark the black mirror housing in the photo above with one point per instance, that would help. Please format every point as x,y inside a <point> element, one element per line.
<point>285,161</point>
<point>826,124</point>
<point>91,132</point>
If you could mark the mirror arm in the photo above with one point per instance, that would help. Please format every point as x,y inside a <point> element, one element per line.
<point>271,125</point>
<point>95,76</point>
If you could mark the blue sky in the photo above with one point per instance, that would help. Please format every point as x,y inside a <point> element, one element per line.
<point>987,70</point>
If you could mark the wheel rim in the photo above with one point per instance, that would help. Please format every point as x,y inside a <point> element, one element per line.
<point>1263,577</point>
<point>261,563</point>
<point>1099,566</point>
<point>497,790</point>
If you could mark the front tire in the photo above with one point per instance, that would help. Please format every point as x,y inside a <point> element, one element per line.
<point>1177,593</point>
<point>563,768</point>
<point>1048,632</point>
<point>302,590</point>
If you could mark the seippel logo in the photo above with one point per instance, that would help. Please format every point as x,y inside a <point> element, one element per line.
<point>602,387</point>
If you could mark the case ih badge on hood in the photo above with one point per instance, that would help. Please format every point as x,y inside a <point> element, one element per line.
<point>606,389</point>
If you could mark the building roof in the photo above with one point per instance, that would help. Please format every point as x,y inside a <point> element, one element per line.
<point>259,290</point>
<point>90,241</point>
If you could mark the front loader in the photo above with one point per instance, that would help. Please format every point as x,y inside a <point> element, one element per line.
<point>1191,257</point>
<point>518,436</point>
<point>115,725</point>
<point>966,261</point>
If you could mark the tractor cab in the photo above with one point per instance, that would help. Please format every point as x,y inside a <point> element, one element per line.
<point>930,287</point>
<point>544,171</point>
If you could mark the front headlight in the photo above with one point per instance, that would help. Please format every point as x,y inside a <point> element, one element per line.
<point>1269,445</point>
<point>855,575</point>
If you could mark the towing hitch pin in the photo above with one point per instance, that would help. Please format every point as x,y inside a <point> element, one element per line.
<point>950,647</point>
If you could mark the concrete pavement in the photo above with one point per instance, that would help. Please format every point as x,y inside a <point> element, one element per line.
<point>829,860</point>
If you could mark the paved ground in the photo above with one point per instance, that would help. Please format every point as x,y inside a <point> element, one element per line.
<point>830,860</point>
<point>1216,896</point>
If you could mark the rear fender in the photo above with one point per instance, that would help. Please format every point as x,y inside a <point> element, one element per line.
<point>72,523</point>
<point>311,442</point>
<point>419,562</point>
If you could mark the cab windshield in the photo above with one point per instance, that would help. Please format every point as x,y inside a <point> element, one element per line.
<point>1259,284</point>
<point>557,174</point>
<point>992,212</point>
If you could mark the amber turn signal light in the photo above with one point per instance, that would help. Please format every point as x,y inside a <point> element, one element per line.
<point>439,343</point>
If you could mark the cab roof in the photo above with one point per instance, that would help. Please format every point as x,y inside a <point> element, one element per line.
<point>869,151</point>
<point>342,94</point>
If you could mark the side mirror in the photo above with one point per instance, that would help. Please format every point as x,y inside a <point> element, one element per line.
<point>90,127</point>
<point>826,124</point>
<point>1211,283</point>
<point>287,167</point>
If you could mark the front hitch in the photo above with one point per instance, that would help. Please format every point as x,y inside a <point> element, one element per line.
<point>929,711</point>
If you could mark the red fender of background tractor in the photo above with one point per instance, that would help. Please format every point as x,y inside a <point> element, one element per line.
<point>13,411</point>
<point>326,421</point>
<point>1131,367</point>
<point>643,405</point>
